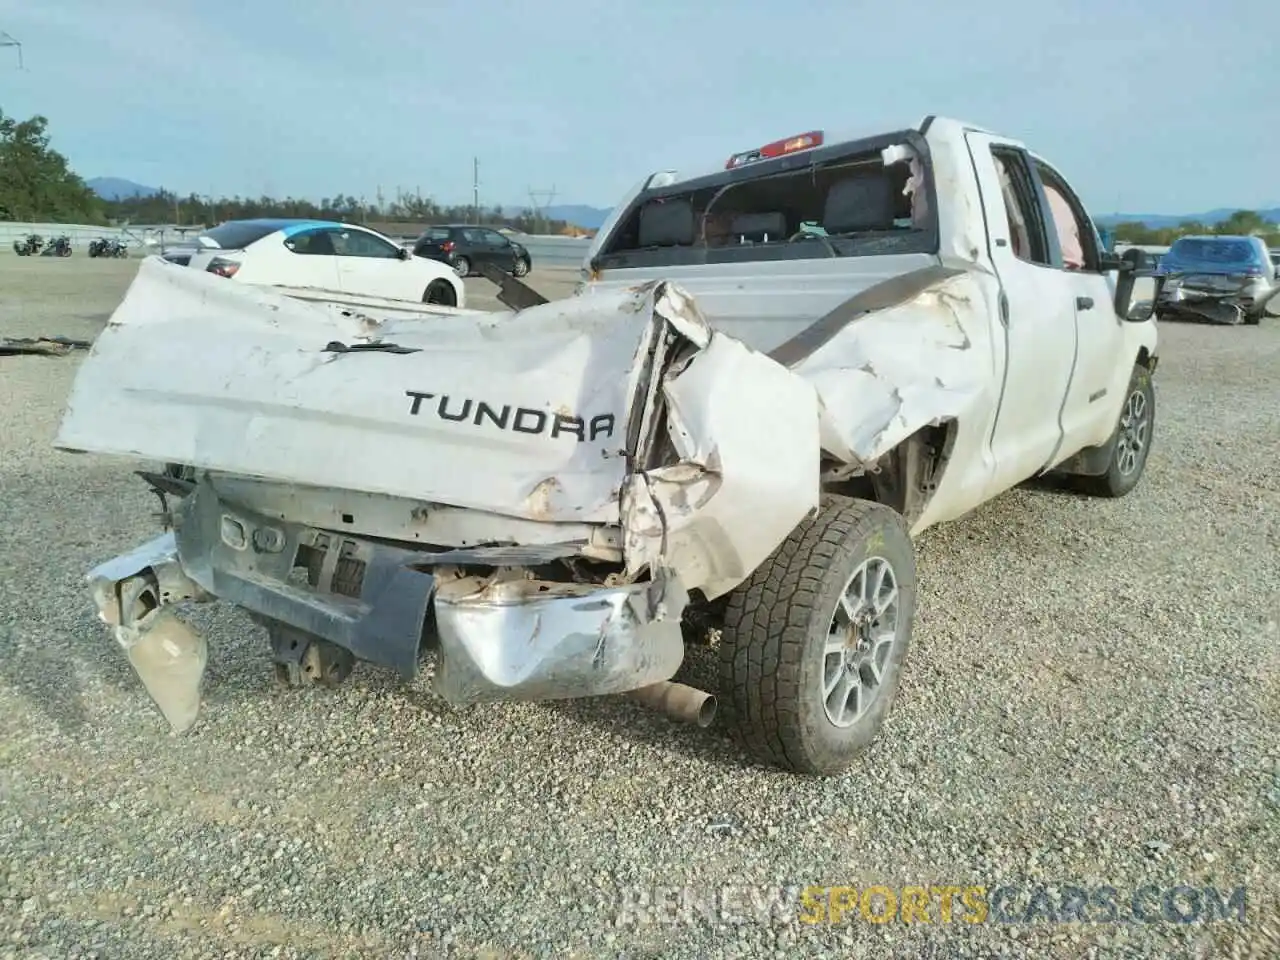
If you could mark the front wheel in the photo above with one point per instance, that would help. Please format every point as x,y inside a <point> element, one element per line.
<point>1131,442</point>
<point>440,293</point>
<point>462,266</point>
<point>521,267</point>
<point>814,641</point>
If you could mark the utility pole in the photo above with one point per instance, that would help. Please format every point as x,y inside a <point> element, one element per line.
<point>475,189</point>
<point>8,41</point>
<point>547,197</point>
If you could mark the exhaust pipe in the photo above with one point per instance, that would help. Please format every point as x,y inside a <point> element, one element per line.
<point>678,701</point>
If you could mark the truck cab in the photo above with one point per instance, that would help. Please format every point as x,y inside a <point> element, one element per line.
<point>1048,340</point>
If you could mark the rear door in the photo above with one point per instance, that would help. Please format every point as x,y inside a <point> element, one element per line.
<point>1037,313</point>
<point>372,265</point>
<point>1100,374</point>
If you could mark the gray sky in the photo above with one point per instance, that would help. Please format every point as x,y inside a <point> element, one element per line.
<point>1165,106</point>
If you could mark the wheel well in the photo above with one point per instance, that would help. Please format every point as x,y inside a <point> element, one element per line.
<point>1145,359</point>
<point>905,478</point>
<point>450,293</point>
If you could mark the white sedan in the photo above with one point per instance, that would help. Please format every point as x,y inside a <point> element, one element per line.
<point>324,255</point>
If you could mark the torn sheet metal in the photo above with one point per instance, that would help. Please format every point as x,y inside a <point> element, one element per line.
<point>553,418</point>
<point>745,435</point>
<point>895,370</point>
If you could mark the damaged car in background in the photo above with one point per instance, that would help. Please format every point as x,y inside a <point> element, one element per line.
<point>773,375</point>
<point>1219,278</point>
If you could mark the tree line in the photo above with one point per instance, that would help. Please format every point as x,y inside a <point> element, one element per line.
<point>169,207</point>
<point>1241,222</point>
<point>38,185</point>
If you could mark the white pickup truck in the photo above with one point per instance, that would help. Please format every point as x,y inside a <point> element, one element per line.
<point>772,377</point>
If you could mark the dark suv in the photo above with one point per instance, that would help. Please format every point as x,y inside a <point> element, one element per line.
<point>466,247</point>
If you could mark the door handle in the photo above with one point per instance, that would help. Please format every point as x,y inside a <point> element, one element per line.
<point>1084,303</point>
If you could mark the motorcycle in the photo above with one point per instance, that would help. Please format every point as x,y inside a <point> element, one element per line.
<point>107,247</point>
<point>58,247</point>
<point>29,245</point>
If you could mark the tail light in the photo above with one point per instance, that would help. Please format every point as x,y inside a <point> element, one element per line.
<point>447,246</point>
<point>223,267</point>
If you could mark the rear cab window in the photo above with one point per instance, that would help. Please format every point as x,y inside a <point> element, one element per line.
<point>235,236</point>
<point>841,200</point>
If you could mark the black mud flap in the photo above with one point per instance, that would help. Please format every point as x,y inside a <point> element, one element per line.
<point>512,293</point>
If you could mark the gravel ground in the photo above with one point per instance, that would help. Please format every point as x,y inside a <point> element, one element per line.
<point>1092,699</point>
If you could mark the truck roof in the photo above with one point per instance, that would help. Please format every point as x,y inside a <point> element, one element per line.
<point>842,136</point>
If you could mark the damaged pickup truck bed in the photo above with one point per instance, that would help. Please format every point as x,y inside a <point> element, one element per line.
<point>733,428</point>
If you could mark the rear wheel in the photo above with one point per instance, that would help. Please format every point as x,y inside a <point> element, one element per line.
<point>440,293</point>
<point>813,642</point>
<point>462,266</point>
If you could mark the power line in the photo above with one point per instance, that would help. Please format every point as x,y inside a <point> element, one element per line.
<point>7,40</point>
<point>547,198</point>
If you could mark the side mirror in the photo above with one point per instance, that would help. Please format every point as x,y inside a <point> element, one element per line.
<point>405,253</point>
<point>1133,262</point>
<point>1141,311</point>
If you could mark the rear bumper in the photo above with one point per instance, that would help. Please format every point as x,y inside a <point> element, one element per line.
<point>517,639</point>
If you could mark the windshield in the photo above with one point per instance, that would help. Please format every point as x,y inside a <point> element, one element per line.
<point>236,235</point>
<point>1210,250</point>
<point>849,206</point>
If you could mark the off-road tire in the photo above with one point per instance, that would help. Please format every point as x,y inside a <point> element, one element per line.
<point>776,627</point>
<point>440,293</point>
<point>1115,482</point>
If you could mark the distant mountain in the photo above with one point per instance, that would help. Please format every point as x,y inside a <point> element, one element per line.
<point>1158,220</point>
<point>580,215</point>
<point>114,188</point>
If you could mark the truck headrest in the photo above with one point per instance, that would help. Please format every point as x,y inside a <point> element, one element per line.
<point>666,223</point>
<point>864,202</point>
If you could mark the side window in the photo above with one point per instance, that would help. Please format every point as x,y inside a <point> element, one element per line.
<point>494,238</point>
<point>473,235</point>
<point>1026,225</point>
<point>1076,237</point>
<point>316,243</point>
<point>357,243</point>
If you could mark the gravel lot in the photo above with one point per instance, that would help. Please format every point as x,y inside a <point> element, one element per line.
<point>1092,698</point>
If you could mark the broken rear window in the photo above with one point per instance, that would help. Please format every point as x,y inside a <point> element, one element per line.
<point>1214,251</point>
<point>853,205</point>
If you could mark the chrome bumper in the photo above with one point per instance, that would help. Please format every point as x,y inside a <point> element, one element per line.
<point>515,639</point>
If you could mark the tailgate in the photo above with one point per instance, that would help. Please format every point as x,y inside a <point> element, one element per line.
<point>523,415</point>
